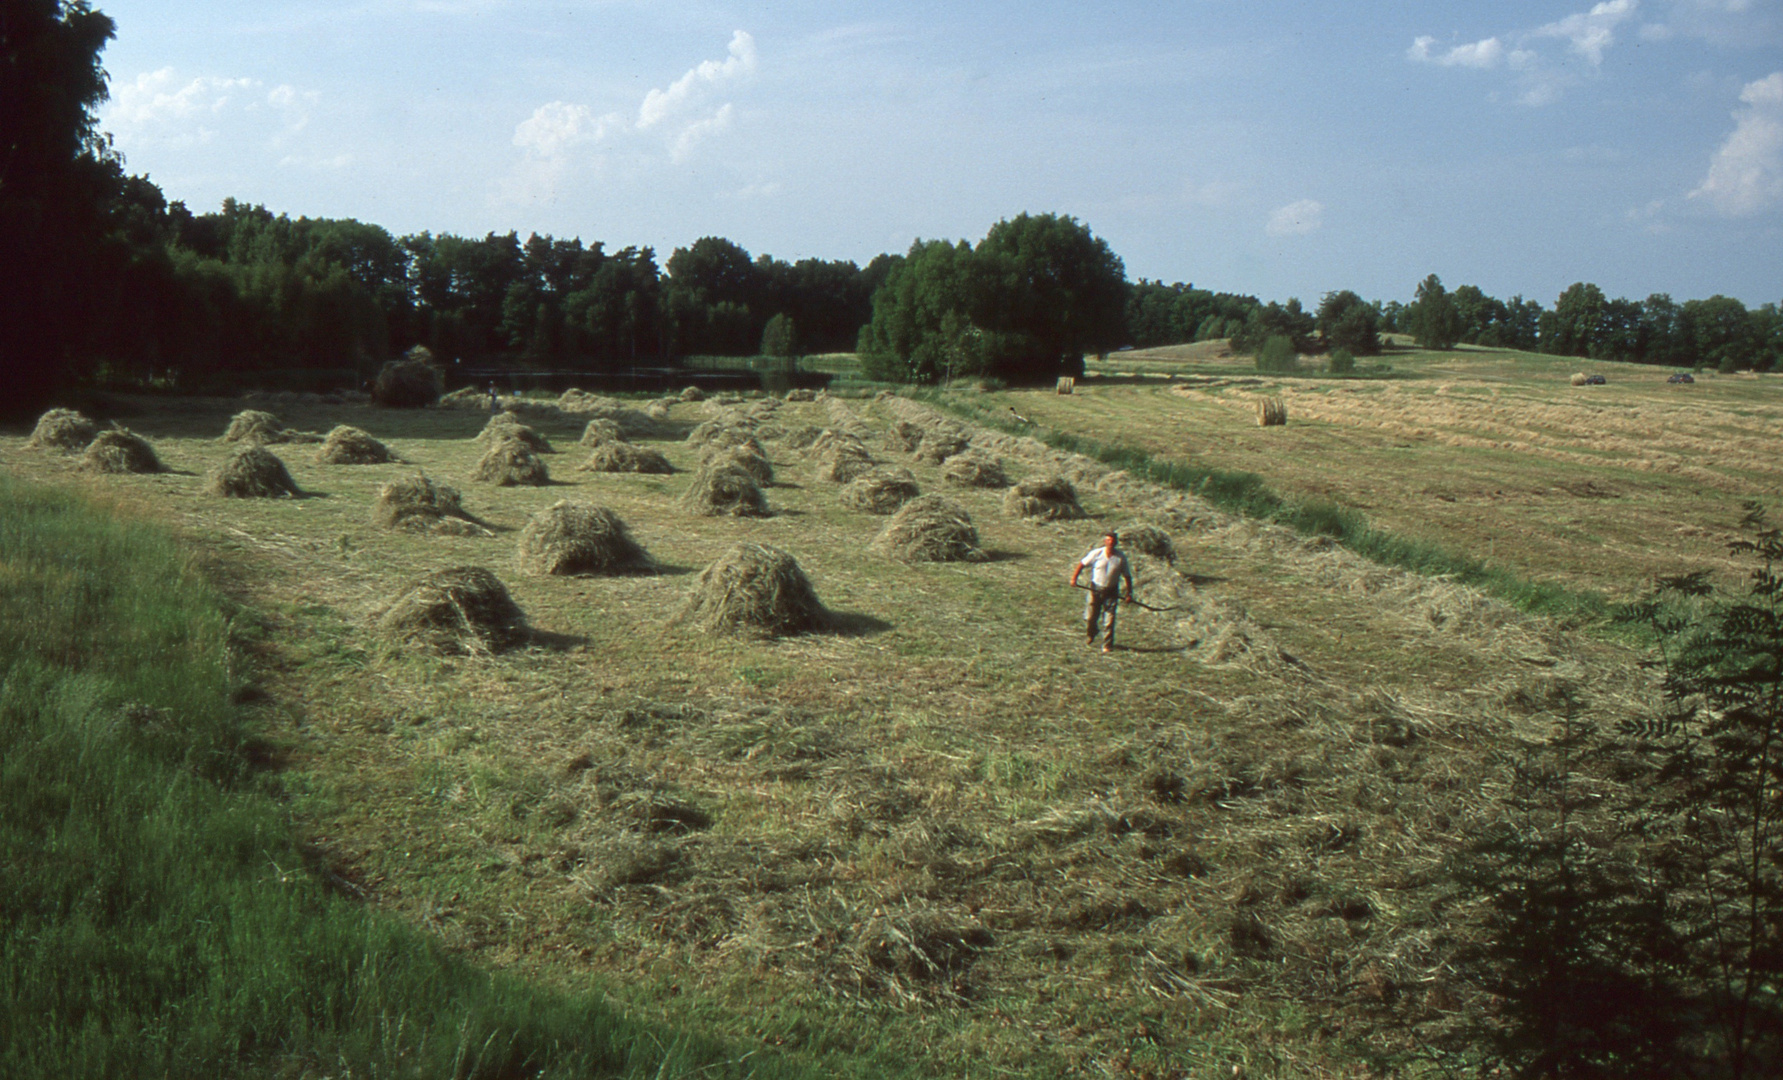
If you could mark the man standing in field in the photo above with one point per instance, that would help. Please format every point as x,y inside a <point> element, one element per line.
<point>1109,567</point>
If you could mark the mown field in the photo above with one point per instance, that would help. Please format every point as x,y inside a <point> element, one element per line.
<point>945,838</point>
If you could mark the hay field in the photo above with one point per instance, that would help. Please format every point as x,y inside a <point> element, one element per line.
<point>941,832</point>
<point>1487,452</point>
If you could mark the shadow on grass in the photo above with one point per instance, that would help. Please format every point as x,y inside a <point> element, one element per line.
<point>552,641</point>
<point>854,624</point>
<point>996,555</point>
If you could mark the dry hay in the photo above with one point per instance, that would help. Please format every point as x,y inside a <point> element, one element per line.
<point>939,444</point>
<point>754,590</point>
<point>420,505</point>
<point>577,538</point>
<point>1147,539</point>
<point>347,445</point>
<point>466,397</point>
<point>728,431</point>
<point>253,472</point>
<point>903,436</point>
<point>749,458</point>
<point>1271,412</point>
<point>880,491</point>
<point>254,426</point>
<point>600,431</point>
<point>1580,379</point>
<point>1048,498</point>
<point>801,395</point>
<point>507,425</point>
<point>633,423</point>
<point>461,609</point>
<point>930,528</point>
<point>659,409</point>
<point>120,451</point>
<point>840,457</point>
<point>408,384</point>
<point>726,490</point>
<point>62,429</point>
<point>510,463</point>
<point>798,438</point>
<point>692,393</point>
<point>973,469</point>
<point>621,457</point>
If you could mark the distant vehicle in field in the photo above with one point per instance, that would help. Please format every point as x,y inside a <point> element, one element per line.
<point>1125,348</point>
<point>1682,377</point>
<point>1595,380</point>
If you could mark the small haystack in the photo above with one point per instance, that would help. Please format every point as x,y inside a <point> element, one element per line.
<point>840,458</point>
<point>1050,498</point>
<point>904,436</point>
<point>659,409</point>
<point>799,438</point>
<point>254,426</point>
<point>939,444</point>
<point>1271,412</point>
<point>601,431</point>
<point>507,425</point>
<point>253,472</point>
<point>420,505</point>
<point>754,590</point>
<point>120,451</point>
<point>880,491</point>
<point>510,463</point>
<point>1144,538</point>
<point>62,429</point>
<point>801,394</point>
<point>692,393</point>
<point>930,528</point>
<point>577,538</point>
<point>347,445</point>
<point>616,456</point>
<point>409,383</point>
<point>726,490</point>
<point>749,458</point>
<point>973,469</point>
<point>723,433</point>
<point>461,609</point>
<point>466,397</point>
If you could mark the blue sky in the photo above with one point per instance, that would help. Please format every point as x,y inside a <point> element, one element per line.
<point>1275,148</point>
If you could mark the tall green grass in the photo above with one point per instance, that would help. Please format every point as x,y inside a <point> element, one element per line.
<point>1247,493</point>
<point>156,917</point>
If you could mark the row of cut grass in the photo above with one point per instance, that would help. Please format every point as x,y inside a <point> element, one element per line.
<point>157,918</point>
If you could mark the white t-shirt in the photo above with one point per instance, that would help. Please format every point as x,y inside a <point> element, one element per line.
<point>1104,567</point>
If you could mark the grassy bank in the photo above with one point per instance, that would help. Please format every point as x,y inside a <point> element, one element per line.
<point>157,919</point>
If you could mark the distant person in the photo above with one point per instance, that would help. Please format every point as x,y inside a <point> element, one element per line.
<point>494,399</point>
<point>1109,567</point>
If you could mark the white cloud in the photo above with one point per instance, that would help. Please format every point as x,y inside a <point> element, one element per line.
<point>1746,174</point>
<point>1487,53</point>
<point>159,99</point>
<point>163,109</point>
<point>686,92</point>
<point>557,126</point>
<point>1591,32</point>
<point>693,132</point>
<point>1296,219</point>
<point>1212,194</point>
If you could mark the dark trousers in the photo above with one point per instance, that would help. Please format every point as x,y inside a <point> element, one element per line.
<point>1102,602</point>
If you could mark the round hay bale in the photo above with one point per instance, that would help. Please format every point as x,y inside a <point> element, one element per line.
<point>253,472</point>
<point>601,430</point>
<point>880,491</point>
<point>510,463</point>
<point>725,490</point>
<point>930,528</point>
<point>619,456</point>
<point>577,538</point>
<point>1050,498</point>
<point>120,451</point>
<point>1580,378</point>
<point>461,609</point>
<point>62,429</point>
<point>747,457</point>
<point>753,590</point>
<point>939,444</point>
<point>972,469</point>
<point>410,383</point>
<point>418,504</point>
<point>1144,538</point>
<point>508,425</point>
<point>692,393</point>
<point>347,445</point>
<point>800,394</point>
<point>254,426</point>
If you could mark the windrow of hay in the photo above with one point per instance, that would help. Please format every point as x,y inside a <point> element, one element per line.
<point>510,463</point>
<point>120,451</point>
<point>800,437</point>
<point>507,425</point>
<point>930,528</point>
<point>753,590</point>
<point>633,423</point>
<point>460,609</point>
<point>974,469</point>
<point>252,472</point>
<point>1046,498</point>
<point>420,505</point>
<point>726,490</point>
<point>941,443</point>
<point>801,394</point>
<point>746,457</point>
<point>880,491</point>
<point>624,457</point>
<point>577,538</point>
<point>347,445</point>
<point>410,383</point>
<point>600,431</point>
<point>62,429</point>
